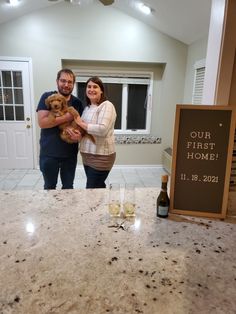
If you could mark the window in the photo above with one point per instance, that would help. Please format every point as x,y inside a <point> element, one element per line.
<point>11,96</point>
<point>198,81</point>
<point>131,96</point>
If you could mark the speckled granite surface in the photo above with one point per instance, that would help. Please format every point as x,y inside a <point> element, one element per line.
<point>60,252</point>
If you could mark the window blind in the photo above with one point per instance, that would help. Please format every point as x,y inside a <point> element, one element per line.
<point>198,85</point>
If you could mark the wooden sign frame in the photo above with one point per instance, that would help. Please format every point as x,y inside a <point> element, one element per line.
<point>201,160</point>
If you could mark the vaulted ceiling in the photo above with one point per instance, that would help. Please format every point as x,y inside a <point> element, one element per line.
<point>184,20</point>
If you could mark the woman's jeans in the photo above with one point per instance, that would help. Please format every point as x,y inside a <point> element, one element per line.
<point>52,166</point>
<point>95,178</point>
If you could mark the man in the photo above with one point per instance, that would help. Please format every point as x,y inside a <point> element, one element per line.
<point>57,156</point>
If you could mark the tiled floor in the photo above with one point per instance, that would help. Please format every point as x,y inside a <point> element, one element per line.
<point>24,179</point>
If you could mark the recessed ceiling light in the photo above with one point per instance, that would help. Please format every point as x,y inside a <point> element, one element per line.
<point>13,3</point>
<point>79,2</point>
<point>144,8</point>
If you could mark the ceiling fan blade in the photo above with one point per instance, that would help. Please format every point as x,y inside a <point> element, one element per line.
<point>107,2</point>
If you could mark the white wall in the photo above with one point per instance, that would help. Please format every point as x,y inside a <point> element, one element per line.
<point>209,48</point>
<point>196,52</point>
<point>98,33</point>
<point>217,21</point>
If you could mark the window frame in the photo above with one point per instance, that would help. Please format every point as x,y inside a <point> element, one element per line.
<point>125,78</point>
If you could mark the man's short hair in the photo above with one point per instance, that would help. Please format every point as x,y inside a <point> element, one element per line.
<point>67,71</point>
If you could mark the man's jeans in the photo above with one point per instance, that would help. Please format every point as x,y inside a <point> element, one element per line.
<point>52,166</point>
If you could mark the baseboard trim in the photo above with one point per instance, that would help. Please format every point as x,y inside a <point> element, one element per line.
<point>79,166</point>
<point>130,166</point>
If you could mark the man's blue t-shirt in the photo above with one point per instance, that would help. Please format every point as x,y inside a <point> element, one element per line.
<point>51,143</point>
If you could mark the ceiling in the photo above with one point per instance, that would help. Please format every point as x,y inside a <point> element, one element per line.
<point>184,20</point>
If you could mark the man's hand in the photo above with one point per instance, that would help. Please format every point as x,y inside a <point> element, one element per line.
<point>74,134</point>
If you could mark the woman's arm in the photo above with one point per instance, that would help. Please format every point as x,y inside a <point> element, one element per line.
<point>77,118</point>
<point>81,123</point>
<point>105,120</point>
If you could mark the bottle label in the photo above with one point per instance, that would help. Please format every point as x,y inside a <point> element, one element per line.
<point>163,210</point>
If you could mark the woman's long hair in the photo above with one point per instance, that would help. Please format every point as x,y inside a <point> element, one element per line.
<point>98,81</point>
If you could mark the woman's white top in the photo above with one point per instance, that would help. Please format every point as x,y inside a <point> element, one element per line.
<point>101,120</point>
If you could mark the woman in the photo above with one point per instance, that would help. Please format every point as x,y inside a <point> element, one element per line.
<point>98,119</point>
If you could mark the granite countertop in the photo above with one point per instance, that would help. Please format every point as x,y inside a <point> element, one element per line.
<point>61,252</point>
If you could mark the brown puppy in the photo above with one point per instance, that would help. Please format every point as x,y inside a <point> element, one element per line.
<point>58,106</point>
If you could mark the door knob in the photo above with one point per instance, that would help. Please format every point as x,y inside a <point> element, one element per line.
<point>28,126</point>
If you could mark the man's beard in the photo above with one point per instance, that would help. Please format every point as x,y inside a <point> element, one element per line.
<point>65,93</point>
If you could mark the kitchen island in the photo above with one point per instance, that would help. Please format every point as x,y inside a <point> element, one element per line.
<point>61,252</point>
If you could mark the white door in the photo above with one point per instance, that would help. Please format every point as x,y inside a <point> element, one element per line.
<point>16,136</point>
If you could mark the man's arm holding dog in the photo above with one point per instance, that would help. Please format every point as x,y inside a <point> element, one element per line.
<point>45,121</point>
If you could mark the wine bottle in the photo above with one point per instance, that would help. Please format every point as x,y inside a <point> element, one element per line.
<point>163,201</point>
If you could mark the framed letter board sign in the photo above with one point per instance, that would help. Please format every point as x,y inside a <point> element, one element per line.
<point>201,160</point>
